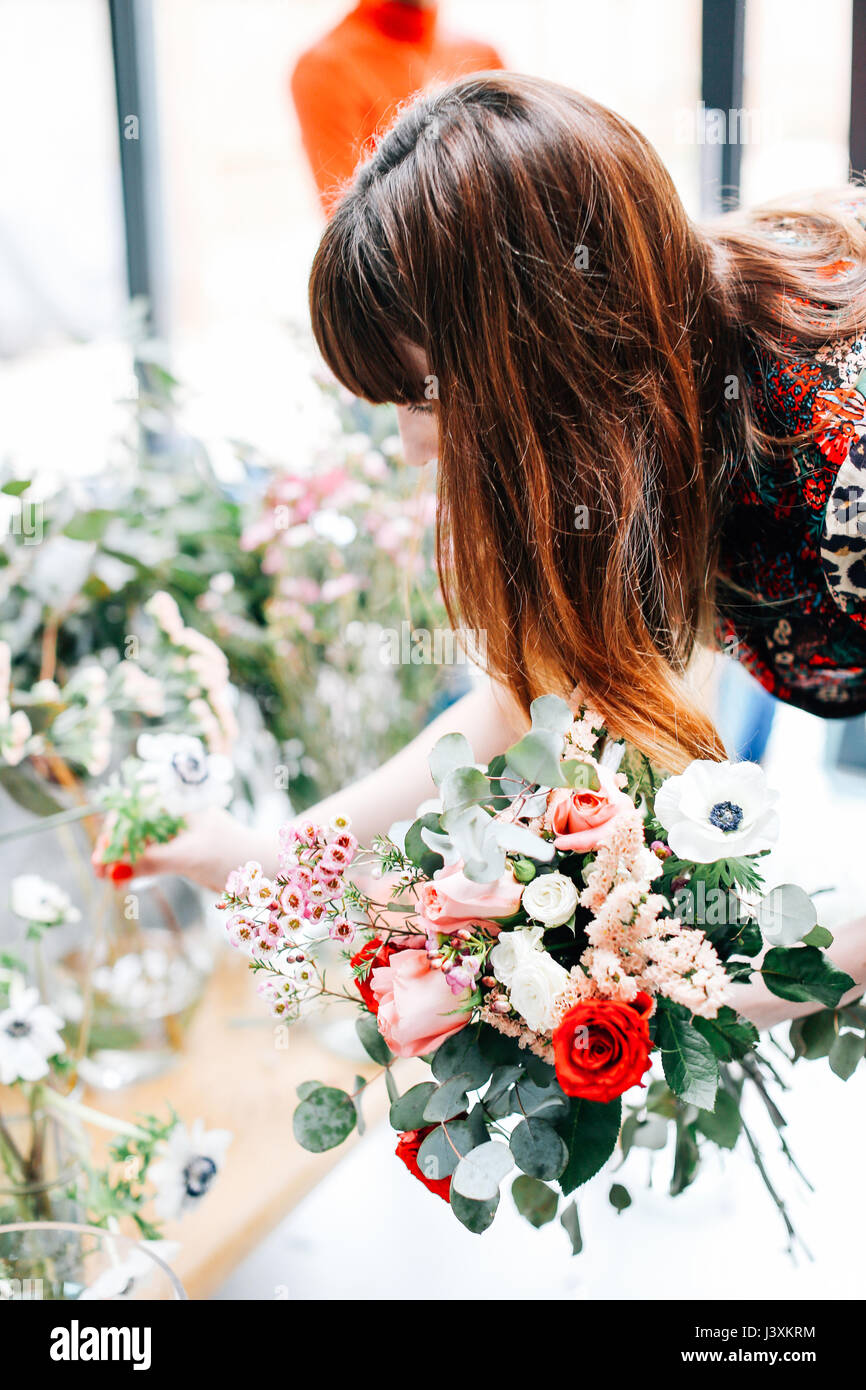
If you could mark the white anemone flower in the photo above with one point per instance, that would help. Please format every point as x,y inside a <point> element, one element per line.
<point>190,1164</point>
<point>187,777</point>
<point>29,1035</point>
<point>718,811</point>
<point>36,899</point>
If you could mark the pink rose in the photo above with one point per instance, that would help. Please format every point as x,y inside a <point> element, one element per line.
<point>580,819</point>
<point>416,1004</point>
<point>451,900</point>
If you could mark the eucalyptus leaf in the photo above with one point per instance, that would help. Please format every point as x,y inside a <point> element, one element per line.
<point>324,1119</point>
<point>449,752</point>
<point>462,1053</point>
<point>846,1054</point>
<point>551,712</point>
<point>448,1100</point>
<point>480,1172</point>
<point>785,915</point>
<point>371,1039</point>
<point>475,1216</point>
<point>535,1201</point>
<point>538,1150</point>
<point>408,1111</point>
<point>570,1223</point>
<point>443,1148</point>
<point>536,757</point>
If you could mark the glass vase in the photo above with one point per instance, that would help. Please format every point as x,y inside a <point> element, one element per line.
<point>55,1260</point>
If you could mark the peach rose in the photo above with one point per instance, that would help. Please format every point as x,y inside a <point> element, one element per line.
<point>416,1006</point>
<point>451,900</point>
<point>580,819</point>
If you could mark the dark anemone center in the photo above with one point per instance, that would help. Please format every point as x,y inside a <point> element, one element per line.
<point>726,816</point>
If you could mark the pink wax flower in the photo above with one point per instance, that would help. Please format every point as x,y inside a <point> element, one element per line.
<point>581,819</point>
<point>417,1008</point>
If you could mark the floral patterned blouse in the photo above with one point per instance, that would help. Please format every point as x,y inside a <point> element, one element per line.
<point>794,534</point>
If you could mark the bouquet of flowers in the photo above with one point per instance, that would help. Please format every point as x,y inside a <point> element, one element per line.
<point>557,938</point>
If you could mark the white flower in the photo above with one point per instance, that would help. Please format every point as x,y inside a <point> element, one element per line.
<point>511,950</point>
<point>187,1171</point>
<point>535,985</point>
<point>29,1035</point>
<point>126,1278</point>
<point>14,737</point>
<point>718,811</point>
<point>35,899</point>
<point>550,898</point>
<point>188,778</point>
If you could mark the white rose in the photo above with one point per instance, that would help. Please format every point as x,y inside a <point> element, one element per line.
<point>550,898</point>
<point>511,950</point>
<point>535,985</point>
<point>718,811</point>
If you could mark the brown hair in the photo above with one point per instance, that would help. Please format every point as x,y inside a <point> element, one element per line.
<point>581,330</point>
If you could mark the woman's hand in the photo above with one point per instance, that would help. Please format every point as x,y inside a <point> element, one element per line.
<point>213,844</point>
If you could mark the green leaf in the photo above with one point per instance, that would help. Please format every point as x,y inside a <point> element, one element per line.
<point>570,1223</point>
<point>552,713</point>
<point>324,1119</point>
<point>462,1053</point>
<point>480,1172</point>
<point>448,1100</point>
<point>307,1088</point>
<point>820,937</point>
<point>686,1157</point>
<point>417,851</point>
<point>619,1198</point>
<point>462,788</point>
<point>408,1112</point>
<point>531,1099</point>
<point>590,1129</point>
<point>535,1201</point>
<point>846,1053</point>
<point>88,526</point>
<point>786,914</point>
<point>729,1036</point>
<point>357,1098</point>
<point>536,756</point>
<point>449,752</point>
<point>28,793</point>
<point>391,1085</point>
<point>16,487</point>
<point>537,1149</point>
<point>475,1216</point>
<point>813,1036</point>
<point>688,1060</point>
<point>443,1148</point>
<point>802,973</point>
<point>723,1124</point>
<point>580,776</point>
<point>371,1039</point>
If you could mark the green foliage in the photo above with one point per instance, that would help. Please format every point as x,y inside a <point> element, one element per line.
<point>324,1119</point>
<point>619,1198</point>
<point>535,1201</point>
<point>372,1041</point>
<point>688,1059</point>
<point>803,973</point>
<point>537,1149</point>
<point>590,1129</point>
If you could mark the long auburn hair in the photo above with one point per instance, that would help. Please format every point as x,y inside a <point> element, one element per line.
<point>583,333</point>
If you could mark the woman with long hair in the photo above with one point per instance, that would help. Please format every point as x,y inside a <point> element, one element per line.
<point>651,435</point>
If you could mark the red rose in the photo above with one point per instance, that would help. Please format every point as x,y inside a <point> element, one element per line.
<point>602,1046</point>
<point>379,953</point>
<point>407,1149</point>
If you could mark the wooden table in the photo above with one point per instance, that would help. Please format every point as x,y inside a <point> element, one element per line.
<point>233,1076</point>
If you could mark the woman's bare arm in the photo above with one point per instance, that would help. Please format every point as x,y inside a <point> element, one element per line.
<point>848,951</point>
<point>215,842</point>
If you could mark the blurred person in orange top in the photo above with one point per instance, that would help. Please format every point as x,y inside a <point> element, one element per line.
<point>349,85</point>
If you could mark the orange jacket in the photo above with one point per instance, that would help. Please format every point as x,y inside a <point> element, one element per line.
<point>349,85</point>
